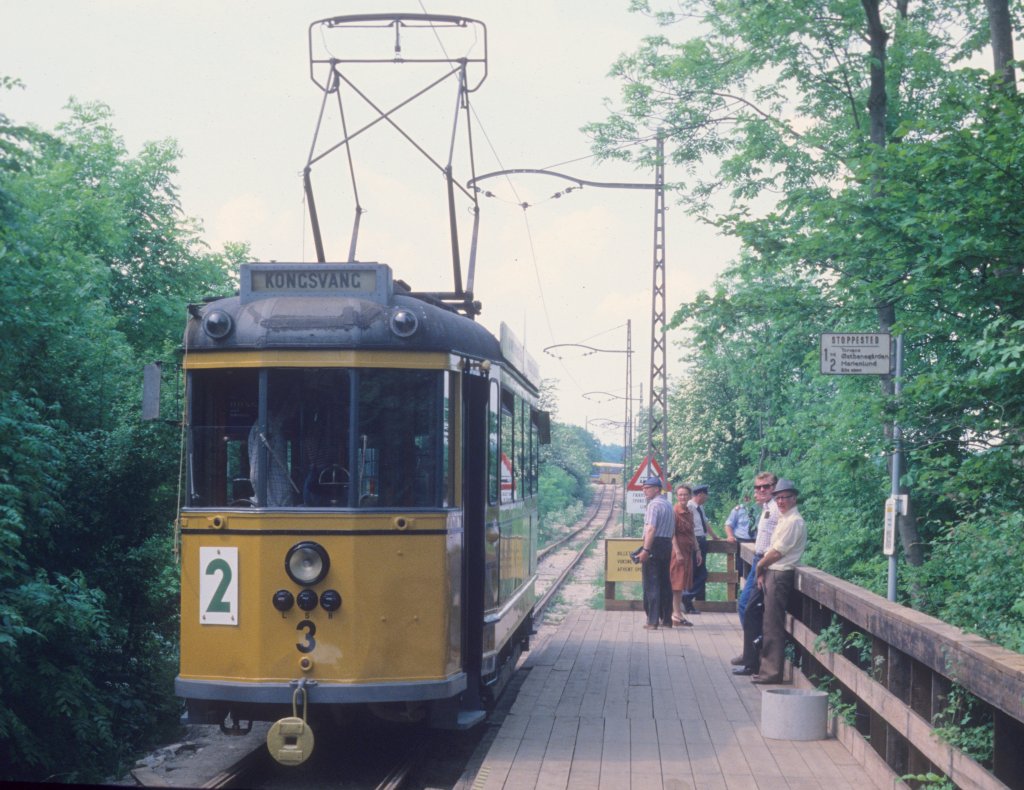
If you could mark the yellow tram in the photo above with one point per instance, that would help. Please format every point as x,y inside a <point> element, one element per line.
<point>360,516</point>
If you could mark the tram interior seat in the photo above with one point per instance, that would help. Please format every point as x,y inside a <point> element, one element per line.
<point>243,493</point>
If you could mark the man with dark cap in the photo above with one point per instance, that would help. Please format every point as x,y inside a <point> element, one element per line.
<point>659,527</point>
<point>701,528</point>
<point>776,573</point>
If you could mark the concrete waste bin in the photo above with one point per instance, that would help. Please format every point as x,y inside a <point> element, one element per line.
<point>789,714</point>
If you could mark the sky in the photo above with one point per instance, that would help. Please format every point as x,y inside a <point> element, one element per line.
<point>230,82</point>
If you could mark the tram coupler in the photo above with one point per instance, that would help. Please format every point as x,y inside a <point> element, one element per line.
<point>235,728</point>
<point>290,740</point>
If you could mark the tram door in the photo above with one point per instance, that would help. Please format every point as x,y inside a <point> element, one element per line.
<point>475,397</point>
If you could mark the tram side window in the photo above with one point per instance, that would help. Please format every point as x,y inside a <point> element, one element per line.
<point>401,438</point>
<point>222,409</point>
<point>522,436</point>
<point>534,453</point>
<point>493,446</point>
<point>448,417</point>
<point>508,448</point>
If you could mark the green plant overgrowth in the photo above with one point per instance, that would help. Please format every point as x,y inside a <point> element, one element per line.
<point>98,265</point>
<point>966,724</point>
<point>937,781</point>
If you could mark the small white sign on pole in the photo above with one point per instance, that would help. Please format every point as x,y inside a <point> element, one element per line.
<point>894,506</point>
<point>856,354</point>
<point>636,502</point>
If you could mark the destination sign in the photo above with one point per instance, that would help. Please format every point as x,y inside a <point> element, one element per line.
<point>856,353</point>
<point>263,280</point>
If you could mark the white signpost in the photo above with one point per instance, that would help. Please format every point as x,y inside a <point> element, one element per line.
<point>856,353</point>
<point>636,502</point>
<point>867,354</point>
<point>894,506</point>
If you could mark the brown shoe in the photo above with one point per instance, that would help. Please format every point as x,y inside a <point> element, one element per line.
<point>651,627</point>
<point>765,680</point>
<point>738,661</point>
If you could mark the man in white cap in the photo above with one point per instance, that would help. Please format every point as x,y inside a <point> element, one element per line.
<point>776,573</point>
<point>659,527</point>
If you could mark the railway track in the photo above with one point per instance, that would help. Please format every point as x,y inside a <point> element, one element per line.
<point>606,499</point>
<point>555,566</point>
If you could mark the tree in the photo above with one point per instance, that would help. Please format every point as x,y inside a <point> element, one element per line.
<point>98,265</point>
<point>870,177</point>
<point>565,466</point>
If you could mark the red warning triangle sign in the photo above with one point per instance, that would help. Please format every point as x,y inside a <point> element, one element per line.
<point>648,468</point>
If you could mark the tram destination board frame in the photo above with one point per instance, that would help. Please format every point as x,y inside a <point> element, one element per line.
<point>856,353</point>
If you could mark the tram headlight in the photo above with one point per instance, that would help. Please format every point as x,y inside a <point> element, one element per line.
<point>217,324</point>
<point>307,563</point>
<point>404,323</point>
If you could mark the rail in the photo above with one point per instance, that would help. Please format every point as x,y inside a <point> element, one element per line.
<point>552,590</point>
<point>597,507</point>
<point>897,679</point>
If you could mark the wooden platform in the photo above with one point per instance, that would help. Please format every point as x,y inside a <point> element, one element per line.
<point>606,704</point>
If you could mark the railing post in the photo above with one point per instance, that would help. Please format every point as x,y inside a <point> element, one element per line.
<point>1008,756</point>
<point>897,679</point>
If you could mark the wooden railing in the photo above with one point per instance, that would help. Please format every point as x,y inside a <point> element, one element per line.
<point>893,672</point>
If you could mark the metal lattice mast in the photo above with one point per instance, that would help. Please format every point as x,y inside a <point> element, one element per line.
<point>657,418</point>
<point>627,449</point>
<point>627,438</point>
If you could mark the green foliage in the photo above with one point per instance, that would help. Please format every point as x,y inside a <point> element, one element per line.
<point>98,263</point>
<point>847,711</point>
<point>930,779</point>
<point>565,475</point>
<point>855,645</point>
<point>966,724</point>
<point>773,117</point>
<point>973,577</point>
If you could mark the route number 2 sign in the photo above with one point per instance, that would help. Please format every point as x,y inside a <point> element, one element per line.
<point>218,585</point>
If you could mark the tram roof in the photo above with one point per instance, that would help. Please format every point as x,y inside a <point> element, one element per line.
<point>342,306</point>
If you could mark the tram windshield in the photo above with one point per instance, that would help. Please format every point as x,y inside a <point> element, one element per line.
<point>319,437</point>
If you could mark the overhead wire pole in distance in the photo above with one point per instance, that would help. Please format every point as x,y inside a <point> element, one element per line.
<point>658,410</point>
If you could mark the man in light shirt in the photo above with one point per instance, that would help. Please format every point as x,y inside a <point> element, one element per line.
<point>659,527</point>
<point>765,520</point>
<point>776,573</point>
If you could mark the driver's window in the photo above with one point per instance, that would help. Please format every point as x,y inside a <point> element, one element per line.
<point>322,402</point>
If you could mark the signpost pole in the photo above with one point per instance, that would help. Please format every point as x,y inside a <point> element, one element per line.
<point>897,460</point>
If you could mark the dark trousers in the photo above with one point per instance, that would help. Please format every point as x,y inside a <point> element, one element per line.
<point>777,590</point>
<point>700,575</point>
<point>748,588</point>
<point>752,626</point>
<point>657,584</point>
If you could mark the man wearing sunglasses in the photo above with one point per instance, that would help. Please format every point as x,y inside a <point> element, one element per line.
<point>776,573</point>
<point>767,518</point>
